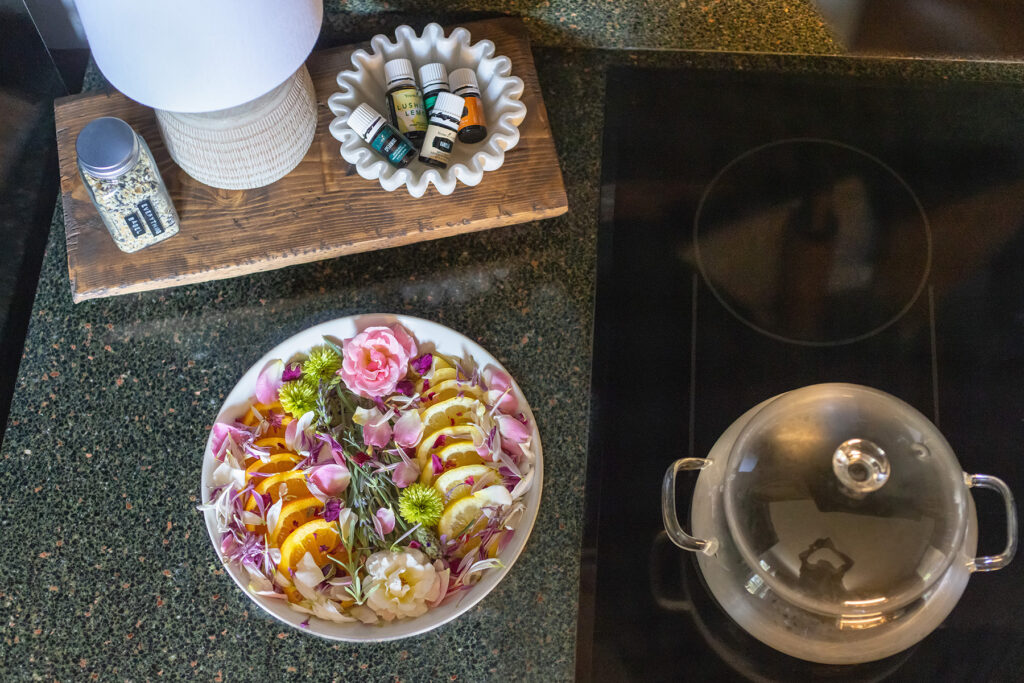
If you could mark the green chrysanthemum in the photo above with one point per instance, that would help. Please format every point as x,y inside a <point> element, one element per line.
<point>323,362</point>
<point>419,504</point>
<point>297,397</point>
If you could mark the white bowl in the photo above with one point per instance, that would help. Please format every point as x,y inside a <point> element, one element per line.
<point>499,90</point>
<point>446,341</point>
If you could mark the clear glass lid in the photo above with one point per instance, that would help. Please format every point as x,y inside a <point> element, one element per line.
<point>844,499</point>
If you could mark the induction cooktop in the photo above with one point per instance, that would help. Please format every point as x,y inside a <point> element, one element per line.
<point>763,232</point>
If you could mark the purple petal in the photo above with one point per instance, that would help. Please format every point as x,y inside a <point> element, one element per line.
<point>269,381</point>
<point>436,463</point>
<point>423,364</point>
<point>405,387</point>
<point>332,510</point>
<point>292,371</point>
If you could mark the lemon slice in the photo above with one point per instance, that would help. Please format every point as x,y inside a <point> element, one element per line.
<point>460,452</point>
<point>452,484</point>
<point>451,412</point>
<point>466,515</point>
<point>450,389</point>
<point>459,431</point>
<point>441,370</point>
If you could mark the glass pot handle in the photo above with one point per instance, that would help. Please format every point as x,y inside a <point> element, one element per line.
<point>990,563</point>
<point>668,508</point>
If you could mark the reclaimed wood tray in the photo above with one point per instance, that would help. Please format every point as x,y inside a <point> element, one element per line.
<point>322,209</point>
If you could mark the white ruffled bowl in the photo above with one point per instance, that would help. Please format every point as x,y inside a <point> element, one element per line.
<point>499,90</point>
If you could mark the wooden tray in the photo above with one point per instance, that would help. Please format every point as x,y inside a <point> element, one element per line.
<point>320,210</point>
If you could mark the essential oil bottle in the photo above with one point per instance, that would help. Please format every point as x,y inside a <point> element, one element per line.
<point>473,126</point>
<point>434,80</point>
<point>405,105</point>
<point>382,136</point>
<point>443,129</point>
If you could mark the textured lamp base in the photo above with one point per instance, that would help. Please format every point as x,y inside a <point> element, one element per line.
<point>247,146</point>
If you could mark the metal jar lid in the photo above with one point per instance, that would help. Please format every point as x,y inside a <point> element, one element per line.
<point>107,147</point>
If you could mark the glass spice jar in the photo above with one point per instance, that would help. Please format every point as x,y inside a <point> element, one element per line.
<point>124,184</point>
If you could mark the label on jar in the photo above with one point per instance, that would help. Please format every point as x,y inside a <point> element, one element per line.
<point>393,147</point>
<point>407,111</point>
<point>135,224</point>
<point>438,144</point>
<point>472,113</point>
<point>149,215</point>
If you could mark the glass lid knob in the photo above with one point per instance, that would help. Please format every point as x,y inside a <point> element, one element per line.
<point>861,467</point>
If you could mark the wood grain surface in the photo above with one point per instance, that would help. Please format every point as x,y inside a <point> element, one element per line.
<point>320,210</point>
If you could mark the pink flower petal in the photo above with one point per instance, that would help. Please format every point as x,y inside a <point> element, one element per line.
<point>221,431</point>
<point>387,520</point>
<point>408,429</point>
<point>512,429</point>
<point>405,474</point>
<point>376,429</point>
<point>331,479</point>
<point>269,381</point>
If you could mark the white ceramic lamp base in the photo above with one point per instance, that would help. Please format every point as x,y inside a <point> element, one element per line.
<point>247,146</point>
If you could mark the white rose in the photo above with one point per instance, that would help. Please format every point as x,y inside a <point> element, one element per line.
<point>400,584</point>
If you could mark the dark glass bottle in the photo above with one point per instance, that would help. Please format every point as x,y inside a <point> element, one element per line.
<point>382,137</point>
<point>405,104</point>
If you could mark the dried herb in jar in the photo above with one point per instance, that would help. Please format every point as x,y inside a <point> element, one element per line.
<point>125,184</point>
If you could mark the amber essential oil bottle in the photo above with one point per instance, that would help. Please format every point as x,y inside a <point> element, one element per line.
<point>473,126</point>
<point>405,105</point>
<point>443,129</point>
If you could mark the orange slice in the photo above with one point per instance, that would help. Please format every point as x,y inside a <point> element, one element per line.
<point>279,462</point>
<point>279,430</point>
<point>294,514</point>
<point>318,537</point>
<point>459,431</point>
<point>290,484</point>
<point>276,444</point>
<point>264,410</point>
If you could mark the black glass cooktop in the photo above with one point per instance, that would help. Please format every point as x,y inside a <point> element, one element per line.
<point>763,232</point>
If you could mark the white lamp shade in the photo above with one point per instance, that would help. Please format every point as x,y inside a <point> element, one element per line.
<point>199,55</point>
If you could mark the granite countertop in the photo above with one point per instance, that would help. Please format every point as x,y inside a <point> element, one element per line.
<point>106,570</point>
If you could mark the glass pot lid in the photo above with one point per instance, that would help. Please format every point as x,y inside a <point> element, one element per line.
<point>845,500</point>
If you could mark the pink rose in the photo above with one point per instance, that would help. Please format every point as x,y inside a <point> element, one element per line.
<point>376,360</point>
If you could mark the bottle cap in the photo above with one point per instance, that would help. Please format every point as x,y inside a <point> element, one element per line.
<point>397,70</point>
<point>450,104</point>
<point>461,78</point>
<point>433,74</point>
<point>363,120</point>
<point>107,147</point>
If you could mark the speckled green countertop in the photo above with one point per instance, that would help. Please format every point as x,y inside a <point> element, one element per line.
<point>106,571</point>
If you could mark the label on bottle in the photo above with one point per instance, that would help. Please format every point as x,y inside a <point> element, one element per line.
<point>472,113</point>
<point>135,224</point>
<point>391,146</point>
<point>429,100</point>
<point>407,111</point>
<point>149,215</point>
<point>438,144</point>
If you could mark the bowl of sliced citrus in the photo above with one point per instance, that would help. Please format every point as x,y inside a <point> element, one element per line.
<point>372,477</point>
